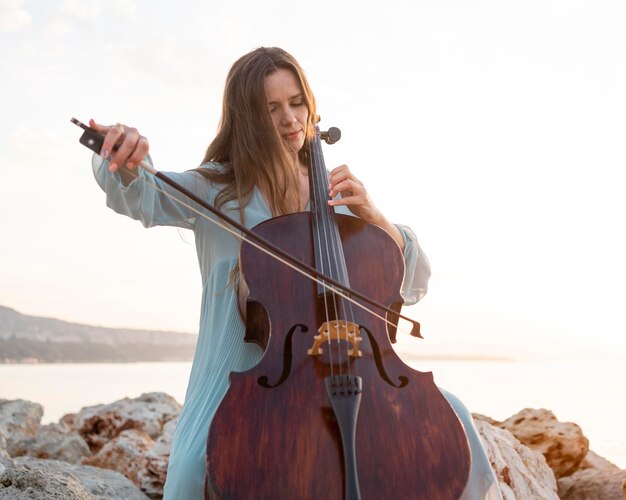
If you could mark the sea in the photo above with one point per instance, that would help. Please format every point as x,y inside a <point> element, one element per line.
<point>591,394</point>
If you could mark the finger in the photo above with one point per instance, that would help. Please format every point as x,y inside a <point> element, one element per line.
<point>342,174</point>
<point>347,187</point>
<point>103,129</point>
<point>347,200</point>
<point>140,153</point>
<point>127,147</point>
<point>339,169</point>
<point>359,206</point>
<point>338,174</point>
<point>114,135</point>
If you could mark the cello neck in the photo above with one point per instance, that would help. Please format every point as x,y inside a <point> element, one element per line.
<point>329,256</point>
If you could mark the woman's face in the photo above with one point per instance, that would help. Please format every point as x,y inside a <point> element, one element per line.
<point>287,107</point>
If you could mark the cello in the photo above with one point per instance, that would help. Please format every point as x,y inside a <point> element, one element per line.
<point>335,414</point>
<point>330,411</point>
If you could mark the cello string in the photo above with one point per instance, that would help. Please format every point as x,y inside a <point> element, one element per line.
<point>145,166</point>
<point>346,308</point>
<point>340,263</point>
<point>336,259</point>
<point>318,229</point>
<point>342,307</point>
<point>333,251</point>
<point>321,181</point>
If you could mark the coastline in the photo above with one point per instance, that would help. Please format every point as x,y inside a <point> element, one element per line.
<point>573,391</point>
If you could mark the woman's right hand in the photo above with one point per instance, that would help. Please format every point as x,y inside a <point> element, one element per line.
<point>132,147</point>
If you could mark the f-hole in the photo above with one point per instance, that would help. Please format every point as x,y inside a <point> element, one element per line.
<point>263,380</point>
<point>379,362</point>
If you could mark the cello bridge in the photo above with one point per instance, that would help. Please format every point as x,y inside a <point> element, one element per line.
<point>337,330</point>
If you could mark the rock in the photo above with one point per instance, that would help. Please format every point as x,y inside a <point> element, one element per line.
<point>21,434</point>
<point>37,479</point>
<point>126,454</point>
<point>521,472</point>
<point>594,484</point>
<point>68,421</point>
<point>122,433</point>
<point>132,440</point>
<point>148,413</point>
<point>562,443</point>
<point>484,418</point>
<point>593,461</point>
<point>3,447</point>
<point>138,457</point>
<point>157,460</point>
<point>18,419</point>
<point>51,441</point>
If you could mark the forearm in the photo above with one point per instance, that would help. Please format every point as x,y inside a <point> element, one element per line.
<point>141,196</point>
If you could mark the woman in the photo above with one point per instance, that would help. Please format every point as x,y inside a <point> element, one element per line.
<point>255,169</point>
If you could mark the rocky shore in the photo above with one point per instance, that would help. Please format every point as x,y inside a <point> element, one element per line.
<point>121,450</point>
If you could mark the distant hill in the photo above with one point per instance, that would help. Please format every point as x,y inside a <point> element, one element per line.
<point>34,339</point>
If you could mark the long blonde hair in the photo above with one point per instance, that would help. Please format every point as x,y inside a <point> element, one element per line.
<point>247,144</point>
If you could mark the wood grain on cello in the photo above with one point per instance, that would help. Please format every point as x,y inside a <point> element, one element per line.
<point>330,411</point>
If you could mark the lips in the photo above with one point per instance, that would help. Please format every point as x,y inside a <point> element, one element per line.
<point>292,136</point>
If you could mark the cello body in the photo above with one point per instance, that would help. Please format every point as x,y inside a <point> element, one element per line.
<point>276,434</point>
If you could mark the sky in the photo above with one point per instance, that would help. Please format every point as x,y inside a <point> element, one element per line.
<point>495,129</point>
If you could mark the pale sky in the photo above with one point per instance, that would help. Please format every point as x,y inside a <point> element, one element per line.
<point>494,129</point>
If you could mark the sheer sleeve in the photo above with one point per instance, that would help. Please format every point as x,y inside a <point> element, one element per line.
<point>417,268</point>
<point>150,200</point>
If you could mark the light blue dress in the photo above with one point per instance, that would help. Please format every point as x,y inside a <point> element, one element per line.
<point>220,348</point>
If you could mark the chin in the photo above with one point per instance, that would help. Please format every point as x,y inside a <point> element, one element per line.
<point>295,147</point>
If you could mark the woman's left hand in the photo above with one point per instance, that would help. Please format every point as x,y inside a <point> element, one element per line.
<point>356,198</point>
<point>353,195</point>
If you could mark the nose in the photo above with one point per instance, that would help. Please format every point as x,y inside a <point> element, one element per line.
<point>288,116</point>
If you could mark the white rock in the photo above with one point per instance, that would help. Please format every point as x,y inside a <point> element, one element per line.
<point>19,418</point>
<point>593,484</point>
<point>521,472</point>
<point>148,413</point>
<point>36,479</point>
<point>53,442</point>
